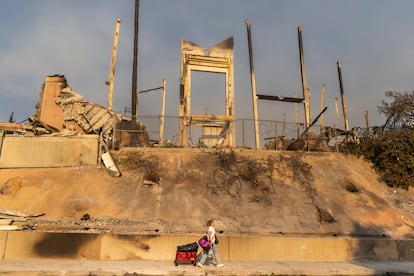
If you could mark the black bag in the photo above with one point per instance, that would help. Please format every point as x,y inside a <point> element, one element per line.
<point>216,240</point>
<point>191,247</point>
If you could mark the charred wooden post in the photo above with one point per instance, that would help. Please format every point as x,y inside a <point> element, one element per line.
<point>134,94</point>
<point>303,76</point>
<point>161,129</point>
<point>308,98</point>
<point>342,95</point>
<point>367,124</point>
<point>110,82</point>
<point>297,119</point>
<point>164,86</point>
<point>2,136</point>
<point>253,83</point>
<point>322,106</point>
<point>338,118</point>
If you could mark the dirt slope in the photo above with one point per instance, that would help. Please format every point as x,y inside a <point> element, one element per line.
<point>250,192</point>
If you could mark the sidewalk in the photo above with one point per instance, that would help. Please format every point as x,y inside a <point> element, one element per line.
<point>88,267</point>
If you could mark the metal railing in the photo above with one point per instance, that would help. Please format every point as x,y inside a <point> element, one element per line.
<point>244,131</point>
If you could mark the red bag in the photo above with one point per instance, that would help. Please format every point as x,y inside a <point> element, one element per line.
<point>185,257</point>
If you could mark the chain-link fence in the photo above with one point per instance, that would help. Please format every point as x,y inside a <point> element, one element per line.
<point>271,133</point>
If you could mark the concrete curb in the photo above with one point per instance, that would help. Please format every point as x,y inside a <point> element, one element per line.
<point>21,245</point>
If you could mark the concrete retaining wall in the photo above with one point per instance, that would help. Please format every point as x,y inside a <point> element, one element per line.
<point>16,245</point>
<point>47,151</point>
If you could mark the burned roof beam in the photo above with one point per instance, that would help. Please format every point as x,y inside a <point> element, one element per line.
<point>279,98</point>
<point>149,90</point>
<point>313,122</point>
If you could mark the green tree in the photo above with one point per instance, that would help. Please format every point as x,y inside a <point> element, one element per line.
<point>393,157</point>
<point>392,152</point>
<point>399,112</point>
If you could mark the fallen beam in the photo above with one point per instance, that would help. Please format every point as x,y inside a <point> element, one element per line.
<point>12,213</point>
<point>14,127</point>
<point>279,98</point>
<point>314,121</point>
<point>210,117</point>
<point>9,227</point>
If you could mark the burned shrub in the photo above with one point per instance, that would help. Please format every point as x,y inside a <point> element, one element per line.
<point>149,166</point>
<point>227,161</point>
<point>349,186</point>
<point>324,216</point>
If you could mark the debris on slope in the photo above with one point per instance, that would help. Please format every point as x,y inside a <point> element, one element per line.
<point>8,217</point>
<point>171,191</point>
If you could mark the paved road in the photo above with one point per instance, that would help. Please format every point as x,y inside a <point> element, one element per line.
<point>130,268</point>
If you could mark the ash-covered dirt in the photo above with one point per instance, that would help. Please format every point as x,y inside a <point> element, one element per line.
<point>173,191</point>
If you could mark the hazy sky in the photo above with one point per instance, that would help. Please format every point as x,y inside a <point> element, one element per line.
<point>372,38</point>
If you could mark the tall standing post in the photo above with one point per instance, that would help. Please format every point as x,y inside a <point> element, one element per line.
<point>164,82</point>
<point>308,99</point>
<point>253,82</point>
<point>322,121</point>
<point>112,66</point>
<point>134,92</point>
<point>297,119</point>
<point>338,63</point>
<point>338,119</point>
<point>303,75</point>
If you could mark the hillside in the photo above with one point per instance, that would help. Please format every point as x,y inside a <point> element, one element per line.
<point>173,191</point>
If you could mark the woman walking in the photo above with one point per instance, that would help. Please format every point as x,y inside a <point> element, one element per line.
<point>211,236</point>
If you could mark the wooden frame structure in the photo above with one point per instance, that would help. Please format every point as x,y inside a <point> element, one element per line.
<point>218,59</point>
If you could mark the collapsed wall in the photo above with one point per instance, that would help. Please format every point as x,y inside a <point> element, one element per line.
<point>61,111</point>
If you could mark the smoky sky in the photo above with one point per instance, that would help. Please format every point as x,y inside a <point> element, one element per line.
<point>74,38</point>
